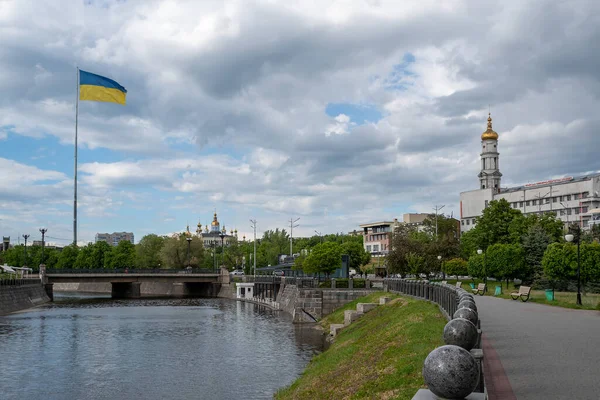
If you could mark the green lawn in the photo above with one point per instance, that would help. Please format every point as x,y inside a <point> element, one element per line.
<point>380,356</point>
<point>590,301</point>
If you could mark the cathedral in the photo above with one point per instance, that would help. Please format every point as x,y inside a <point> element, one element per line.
<point>214,236</point>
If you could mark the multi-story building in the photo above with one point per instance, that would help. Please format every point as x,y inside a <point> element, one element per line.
<point>114,238</point>
<point>572,199</point>
<point>377,236</point>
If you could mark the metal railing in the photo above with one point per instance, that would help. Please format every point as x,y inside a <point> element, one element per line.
<point>444,295</point>
<point>133,271</point>
<point>19,281</point>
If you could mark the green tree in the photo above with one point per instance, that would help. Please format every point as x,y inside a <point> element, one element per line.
<point>416,264</point>
<point>535,243</point>
<point>505,261</point>
<point>148,251</point>
<point>475,266</point>
<point>174,252</point>
<point>560,261</point>
<point>456,266</point>
<point>122,256</point>
<point>493,225</point>
<point>84,257</point>
<point>404,241</point>
<point>67,257</point>
<point>469,243</point>
<point>100,255</point>
<point>324,258</point>
<point>357,254</point>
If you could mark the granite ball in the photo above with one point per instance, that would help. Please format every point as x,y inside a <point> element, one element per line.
<point>461,332</point>
<point>466,296</point>
<point>451,372</point>
<point>466,313</point>
<point>468,304</point>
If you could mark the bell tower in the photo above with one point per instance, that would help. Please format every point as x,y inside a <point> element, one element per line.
<point>490,175</point>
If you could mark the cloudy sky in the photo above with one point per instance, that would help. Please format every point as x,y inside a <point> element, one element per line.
<point>339,113</point>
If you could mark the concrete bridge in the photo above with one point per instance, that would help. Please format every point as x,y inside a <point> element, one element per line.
<point>126,283</point>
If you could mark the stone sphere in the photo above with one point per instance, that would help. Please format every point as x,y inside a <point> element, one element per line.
<point>467,304</point>
<point>451,372</point>
<point>467,296</point>
<point>461,332</point>
<point>466,313</point>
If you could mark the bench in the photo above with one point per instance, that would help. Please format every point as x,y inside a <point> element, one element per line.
<point>480,289</point>
<point>458,285</point>
<point>522,294</point>
<point>444,282</point>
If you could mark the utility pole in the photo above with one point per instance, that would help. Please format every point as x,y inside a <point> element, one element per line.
<point>437,208</point>
<point>292,226</point>
<point>43,231</point>
<point>253,221</point>
<point>26,237</point>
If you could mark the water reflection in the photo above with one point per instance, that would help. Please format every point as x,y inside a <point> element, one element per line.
<point>97,348</point>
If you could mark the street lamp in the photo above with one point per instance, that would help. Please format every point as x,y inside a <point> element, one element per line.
<point>26,237</point>
<point>442,267</point>
<point>222,234</point>
<point>570,237</point>
<point>479,251</point>
<point>189,241</point>
<point>43,231</point>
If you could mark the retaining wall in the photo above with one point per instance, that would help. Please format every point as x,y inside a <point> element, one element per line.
<point>146,288</point>
<point>16,298</point>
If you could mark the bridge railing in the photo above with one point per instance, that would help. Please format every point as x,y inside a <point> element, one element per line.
<point>262,278</point>
<point>133,271</point>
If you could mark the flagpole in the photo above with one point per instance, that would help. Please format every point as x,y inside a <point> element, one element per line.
<point>75,179</point>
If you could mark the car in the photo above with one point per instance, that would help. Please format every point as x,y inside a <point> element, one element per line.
<point>237,272</point>
<point>278,273</point>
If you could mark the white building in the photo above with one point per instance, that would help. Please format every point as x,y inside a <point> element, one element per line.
<point>571,198</point>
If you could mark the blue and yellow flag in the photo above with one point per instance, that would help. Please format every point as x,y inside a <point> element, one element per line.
<point>98,88</point>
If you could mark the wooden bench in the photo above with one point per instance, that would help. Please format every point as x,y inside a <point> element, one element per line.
<point>523,293</point>
<point>480,289</point>
<point>444,282</point>
<point>458,285</point>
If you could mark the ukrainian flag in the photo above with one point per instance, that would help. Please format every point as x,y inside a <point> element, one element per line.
<point>98,88</point>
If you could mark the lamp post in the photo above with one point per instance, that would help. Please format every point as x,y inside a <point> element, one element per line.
<point>570,237</point>
<point>26,237</point>
<point>254,258</point>
<point>320,235</point>
<point>43,231</point>
<point>479,251</point>
<point>442,267</point>
<point>222,234</point>
<point>189,241</point>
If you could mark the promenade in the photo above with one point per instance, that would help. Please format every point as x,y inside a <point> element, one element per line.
<point>546,352</point>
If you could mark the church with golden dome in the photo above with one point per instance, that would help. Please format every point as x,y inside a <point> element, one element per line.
<point>214,235</point>
<point>571,199</point>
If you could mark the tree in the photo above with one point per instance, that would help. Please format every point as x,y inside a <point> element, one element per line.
<point>493,225</point>
<point>122,256</point>
<point>100,255</point>
<point>475,266</point>
<point>469,243</point>
<point>325,257</point>
<point>84,257</point>
<point>403,243</point>
<point>357,254</point>
<point>148,251</point>
<point>174,252</point>
<point>68,257</point>
<point>416,264</point>
<point>505,261</point>
<point>456,266</point>
<point>535,243</point>
<point>560,261</point>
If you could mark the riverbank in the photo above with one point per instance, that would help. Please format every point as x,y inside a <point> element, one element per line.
<point>18,298</point>
<point>378,356</point>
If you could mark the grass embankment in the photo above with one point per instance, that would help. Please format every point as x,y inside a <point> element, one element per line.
<point>590,301</point>
<point>379,356</point>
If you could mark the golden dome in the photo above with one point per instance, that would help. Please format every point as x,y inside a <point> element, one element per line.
<point>215,222</point>
<point>489,134</point>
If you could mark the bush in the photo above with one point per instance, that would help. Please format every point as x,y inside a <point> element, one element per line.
<point>456,266</point>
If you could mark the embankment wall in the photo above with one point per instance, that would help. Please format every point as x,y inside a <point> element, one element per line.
<point>16,298</point>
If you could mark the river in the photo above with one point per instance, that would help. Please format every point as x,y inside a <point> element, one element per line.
<point>88,347</point>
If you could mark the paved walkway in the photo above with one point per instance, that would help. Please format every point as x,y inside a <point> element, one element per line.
<point>546,352</point>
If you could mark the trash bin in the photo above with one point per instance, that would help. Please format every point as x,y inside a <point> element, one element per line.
<point>550,294</point>
<point>498,291</point>
<point>472,285</point>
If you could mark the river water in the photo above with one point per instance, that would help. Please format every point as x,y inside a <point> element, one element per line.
<point>82,347</point>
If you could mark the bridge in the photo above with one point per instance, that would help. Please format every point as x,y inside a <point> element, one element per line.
<point>127,283</point>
